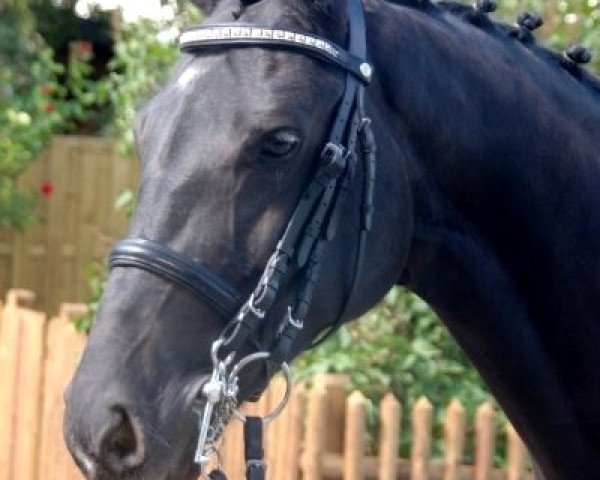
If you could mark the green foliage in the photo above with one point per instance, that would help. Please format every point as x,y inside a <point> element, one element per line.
<point>96,275</point>
<point>566,22</point>
<point>38,98</point>
<point>144,55</point>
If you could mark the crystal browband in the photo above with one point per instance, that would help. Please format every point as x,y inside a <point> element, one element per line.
<point>199,37</point>
<point>222,33</point>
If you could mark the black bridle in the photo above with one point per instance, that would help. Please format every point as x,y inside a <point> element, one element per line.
<point>314,220</point>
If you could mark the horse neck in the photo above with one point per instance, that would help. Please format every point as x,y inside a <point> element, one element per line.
<point>485,116</point>
<point>500,146</point>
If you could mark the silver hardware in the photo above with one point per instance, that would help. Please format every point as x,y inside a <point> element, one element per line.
<point>285,369</point>
<point>259,312</point>
<point>366,70</point>
<point>246,361</point>
<point>256,463</point>
<point>332,51</point>
<point>225,33</point>
<point>213,393</point>
<point>214,353</point>
<point>220,394</point>
<point>221,400</point>
<point>298,324</point>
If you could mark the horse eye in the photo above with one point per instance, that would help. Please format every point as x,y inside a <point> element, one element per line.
<point>280,143</point>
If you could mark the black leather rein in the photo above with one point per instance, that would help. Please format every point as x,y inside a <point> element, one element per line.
<point>300,250</point>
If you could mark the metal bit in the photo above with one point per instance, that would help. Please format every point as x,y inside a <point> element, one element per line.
<point>213,393</point>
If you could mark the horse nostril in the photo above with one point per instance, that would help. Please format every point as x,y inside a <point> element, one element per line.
<point>122,443</point>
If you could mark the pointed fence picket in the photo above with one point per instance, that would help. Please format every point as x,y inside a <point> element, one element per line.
<point>320,435</point>
<point>305,442</point>
<point>37,359</point>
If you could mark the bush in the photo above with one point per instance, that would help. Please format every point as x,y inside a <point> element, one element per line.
<point>38,98</point>
<point>144,55</point>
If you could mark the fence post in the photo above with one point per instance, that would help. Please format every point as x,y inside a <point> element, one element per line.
<point>64,346</point>
<point>515,455</point>
<point>232,450</point>
<point>390,413</point>
<point>354,441</point>
<point>8,351</point>
<point>485,441</point>
<point>275,442</point>
<point>289,461</point>
<point>20,298</point>
<point>454,431</point>
<point>422,420</point>
<point>29,394</point>
<point>315,434</point>
<point>11,334</point>
<point>336,386</point>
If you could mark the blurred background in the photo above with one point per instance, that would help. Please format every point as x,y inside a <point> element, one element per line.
<point>72,74</point>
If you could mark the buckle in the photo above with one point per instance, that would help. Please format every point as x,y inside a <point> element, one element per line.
<point>255,309</point>
<point>298,324</point>
<point>334,159</point>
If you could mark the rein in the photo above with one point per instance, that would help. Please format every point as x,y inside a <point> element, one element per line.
<point>299,251</point>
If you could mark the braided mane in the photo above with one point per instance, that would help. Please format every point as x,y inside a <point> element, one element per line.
<point>507,32</point>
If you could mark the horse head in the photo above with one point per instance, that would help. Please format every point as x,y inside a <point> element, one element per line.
<point>229,149</point>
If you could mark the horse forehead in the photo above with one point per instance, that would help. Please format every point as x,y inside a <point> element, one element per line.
<point>190,73</point>
<point>254,82</point>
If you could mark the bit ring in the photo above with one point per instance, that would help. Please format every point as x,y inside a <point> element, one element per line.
<point>288,388</point>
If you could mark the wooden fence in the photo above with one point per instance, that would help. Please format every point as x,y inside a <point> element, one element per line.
<point>78,221</point>
<point>37,359</point>
<point>320,435</point>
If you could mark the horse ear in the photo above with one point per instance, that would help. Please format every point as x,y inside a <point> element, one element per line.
<point>207,6</point>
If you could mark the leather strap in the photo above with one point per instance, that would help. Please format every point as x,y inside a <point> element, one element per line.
<point>174,267</point>
<point>253,448</point>
<point>239,35</point>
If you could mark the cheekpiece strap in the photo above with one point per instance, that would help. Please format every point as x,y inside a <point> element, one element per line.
<point>254,453</point>
<point>258,36</point>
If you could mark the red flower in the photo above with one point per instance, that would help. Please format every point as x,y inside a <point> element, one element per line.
<point>47,89</point>
<point>84,49</point>
<point>47,188</point>
<point>49,108</point>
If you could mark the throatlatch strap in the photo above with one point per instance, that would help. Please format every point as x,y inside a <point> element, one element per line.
<point>253,438</point>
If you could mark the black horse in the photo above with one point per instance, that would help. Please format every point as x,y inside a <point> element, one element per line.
<point>487,204</point>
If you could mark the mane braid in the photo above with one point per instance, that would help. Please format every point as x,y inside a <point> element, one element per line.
<point>505,31</point>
